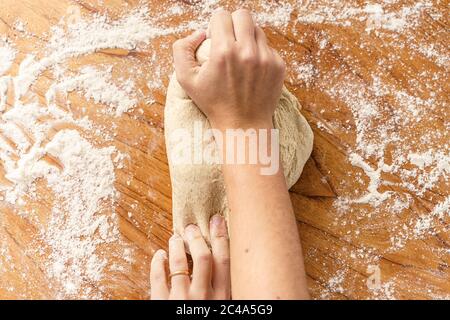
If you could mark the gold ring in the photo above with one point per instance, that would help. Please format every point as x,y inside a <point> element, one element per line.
<point>179,273</point>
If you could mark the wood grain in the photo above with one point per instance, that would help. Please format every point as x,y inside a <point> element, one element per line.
<point>339,246</point>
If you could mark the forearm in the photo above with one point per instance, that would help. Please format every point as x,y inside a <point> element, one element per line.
<point>239,87</point>
<point>266,257</point>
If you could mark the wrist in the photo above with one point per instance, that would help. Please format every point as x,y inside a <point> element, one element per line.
<point>224,124</point>
<point>248,145</point>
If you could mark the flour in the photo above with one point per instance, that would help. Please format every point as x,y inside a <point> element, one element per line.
<point>393,163</point>
<point>335,282</point>
<point>391,167</point>
<point>374,197</point>
<point>76,229</point>
<point>97,85</point>
<point>277,16</point>
<point>7,56</point>
<point>82,220</point>
<point>304,72</point>
<point>377,16</point>
<point>87,37</point>
<point>378,19</point>
<point>4,82</point>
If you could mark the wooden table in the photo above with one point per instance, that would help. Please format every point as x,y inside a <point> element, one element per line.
<point>345,60</point>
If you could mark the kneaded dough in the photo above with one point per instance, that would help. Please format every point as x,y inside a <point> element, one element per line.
<point>198,190</point>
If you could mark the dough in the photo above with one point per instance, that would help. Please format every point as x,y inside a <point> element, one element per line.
<point>198,190</point>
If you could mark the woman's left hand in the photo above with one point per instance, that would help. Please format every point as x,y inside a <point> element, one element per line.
<point>211,268</point>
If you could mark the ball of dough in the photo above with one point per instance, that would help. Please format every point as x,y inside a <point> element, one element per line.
<point>198,190</point>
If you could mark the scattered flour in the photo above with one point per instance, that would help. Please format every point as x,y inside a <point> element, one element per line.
<point>97,85</point>
<point>4,82</point>
<point>76,228</point>
<point>394,164</point>
<point>83,220</point>
<point>335,282</point>
<point>276,16</point>
<point>7,56</point>
<point>425,225</point>
<point>385,291</point>
<point>373,196</point>
<point>305,72</point>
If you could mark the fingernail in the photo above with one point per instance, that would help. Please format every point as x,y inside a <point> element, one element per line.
<point>161,253</point>
<point>190,231</point>
<point>217,220</point>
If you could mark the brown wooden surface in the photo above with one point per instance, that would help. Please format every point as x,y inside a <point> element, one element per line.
<point>339,246</point>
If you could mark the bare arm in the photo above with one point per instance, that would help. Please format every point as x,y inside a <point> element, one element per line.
<point>266,257</point>
<point>238,88</point>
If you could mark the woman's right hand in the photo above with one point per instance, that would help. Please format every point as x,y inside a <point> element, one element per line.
<point>239,86</point>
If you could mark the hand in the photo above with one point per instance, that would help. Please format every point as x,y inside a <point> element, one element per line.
<point>239,86</point>
<point>211,271</point>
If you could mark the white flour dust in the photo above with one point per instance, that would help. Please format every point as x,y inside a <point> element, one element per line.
<point>7,56</point>
<point>392,166</point>
<point>97,85</point>
<point>76,229</point>
<point>82,220</point>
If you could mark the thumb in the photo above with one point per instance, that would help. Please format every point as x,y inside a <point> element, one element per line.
<point>186,64</point>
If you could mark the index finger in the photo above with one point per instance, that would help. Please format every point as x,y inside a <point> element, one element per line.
<point>184,55</point>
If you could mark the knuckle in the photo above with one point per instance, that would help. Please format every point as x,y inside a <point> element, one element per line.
<point>221,237</point>
<point>224,54</point>
<point>157,276</point>
<point>248,58</point>
<point>282,67</point>
<point>279,65</point>
<point>224,261</point>
<point>179,261</point>
<point>279,62</point>
<point>264,61</point>
<point>204,257</point>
